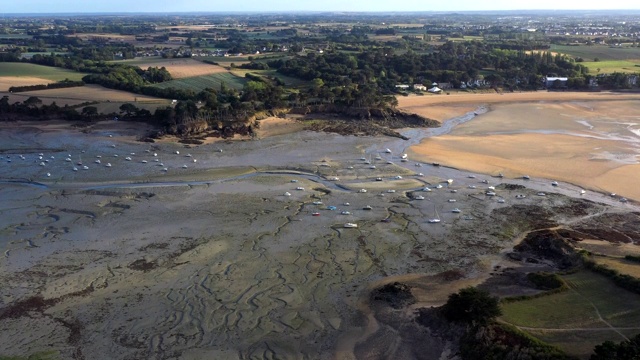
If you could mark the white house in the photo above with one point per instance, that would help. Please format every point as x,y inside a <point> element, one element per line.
<point>402,86</point>
<point>419,87</point>
<point>551,81</point>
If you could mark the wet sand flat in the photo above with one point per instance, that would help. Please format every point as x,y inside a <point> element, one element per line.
<point>239,254</point>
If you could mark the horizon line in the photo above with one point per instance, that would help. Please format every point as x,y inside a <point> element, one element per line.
<point>315,11</point>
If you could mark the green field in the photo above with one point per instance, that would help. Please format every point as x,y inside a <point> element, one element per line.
<point>611,66</point>
<point>602,52</point>
<point>199,83</point>
<point>39,71</point>
<point>571,319</point>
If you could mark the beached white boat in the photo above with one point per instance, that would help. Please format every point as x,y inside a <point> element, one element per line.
<point>404,156</point>
<point>300,188</point>
<point>345,213</point>
<point>362,190</point>
<point>388,151</point>
<point>526,177</point>
<point>554,183</point>
<point>350,225</point>
<point>419,197</point>
<point>315,202</point>
<point>427,189</point>
<point>108,165</point>
<point>490,193</point>
<point>391,191</point>
<point>456,210</point>
<point>435,219</point>
<point>582,192</point>
<point>368,207</point>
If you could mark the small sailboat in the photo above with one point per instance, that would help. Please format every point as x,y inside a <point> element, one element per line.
<point>456,211</point>
<point>350,225</point>
<point>435,219</point>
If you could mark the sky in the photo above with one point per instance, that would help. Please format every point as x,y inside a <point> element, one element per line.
<point>91,6</point>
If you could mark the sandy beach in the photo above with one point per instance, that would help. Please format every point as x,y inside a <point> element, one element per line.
<point>587,139</point>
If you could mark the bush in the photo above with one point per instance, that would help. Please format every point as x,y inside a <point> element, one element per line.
<point>546,281</point>
<point>471,305</point>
